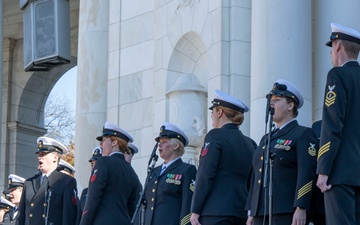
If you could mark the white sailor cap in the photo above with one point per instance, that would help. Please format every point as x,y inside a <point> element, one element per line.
<point>133,148</point>
<point>223,99</point>
<point>46,144</point>
<point>285,88</point>
<point>169,130</point>
<point>63,165</point>
<point>110,129</point>
<point>5,204</point>
<point>97,153</point>
<point>339,31</point>
<point>15,181</point>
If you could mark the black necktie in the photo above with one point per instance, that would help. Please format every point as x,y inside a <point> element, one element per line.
<point>162,170</point>
<point>273,132</point>
<point>45,180</point>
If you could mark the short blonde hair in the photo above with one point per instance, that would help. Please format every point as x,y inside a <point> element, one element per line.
<point>181,150</point>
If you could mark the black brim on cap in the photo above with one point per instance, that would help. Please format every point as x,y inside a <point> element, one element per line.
<point>342,36</point>
<point>93,159</point>
<point>287,94</point>
<point>99,138</point>
<point>15,185</point>
<point>219,102</point>
<point>170,134</point>
<point>109,132</point>
<point>51,149</point>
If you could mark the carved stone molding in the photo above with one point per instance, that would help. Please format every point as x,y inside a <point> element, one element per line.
<point>187,109</point>
<point>185,3</point>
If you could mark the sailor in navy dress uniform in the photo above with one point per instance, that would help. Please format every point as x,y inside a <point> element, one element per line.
<point>295,148</point>
<point>133,150</point>
<point>5,208</point>
<point>170,186</point>
<point>66,168</point>
<point>114,186</point>
<point>59,206</point>
<point>97,153</point>
<point>339,155</point>
<point>225,163</point>
<point>15,188</point>
<point>316,212</point>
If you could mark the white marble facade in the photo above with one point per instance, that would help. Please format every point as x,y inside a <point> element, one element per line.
<point>238,46</point>
<point>132,55</point>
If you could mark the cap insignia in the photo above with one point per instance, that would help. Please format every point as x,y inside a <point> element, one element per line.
<point>274,86</point>
<point>40,144</point>
<point>162,128</point>
<point>10,181</point>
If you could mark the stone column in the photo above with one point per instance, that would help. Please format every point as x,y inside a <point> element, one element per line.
<point>92,77</point>
<point>7,57</point>
<point>325,12</point>
<point>187,109</point>
<point>281,48</point>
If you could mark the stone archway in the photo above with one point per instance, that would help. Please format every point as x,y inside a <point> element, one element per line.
<point>186,88</point>
<point>27,122</point>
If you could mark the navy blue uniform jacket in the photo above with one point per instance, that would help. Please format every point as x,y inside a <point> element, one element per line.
<point>169,195</point>
<point>339,154</point>
<point>63,202</point>
<point>221,180</point>
<point>293,171</point>
<point>113,192</point>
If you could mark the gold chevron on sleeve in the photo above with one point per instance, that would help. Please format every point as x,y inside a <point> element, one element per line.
<point>185,220</point>
<point>323,149</point>
<point>330,96</point>
<point>304,189</point>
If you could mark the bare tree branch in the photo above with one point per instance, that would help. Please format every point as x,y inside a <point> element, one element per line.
<point>60,120</point>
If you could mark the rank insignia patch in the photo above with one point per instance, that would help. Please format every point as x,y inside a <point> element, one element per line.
<point>205,149</point>
<point>312,150</point>
<point>330,96</point>
<point>73,198</point>
<point>173,179</point>
<point>93,177</point>
<point>192,186</point>
<point>283,144</point>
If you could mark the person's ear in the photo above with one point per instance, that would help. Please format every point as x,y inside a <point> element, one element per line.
<point>176,146</point>
<point>113,143</point>
<point>56,158</point>
<point>337,45</point>
<point>290,106</point>
<point>220,112</point>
